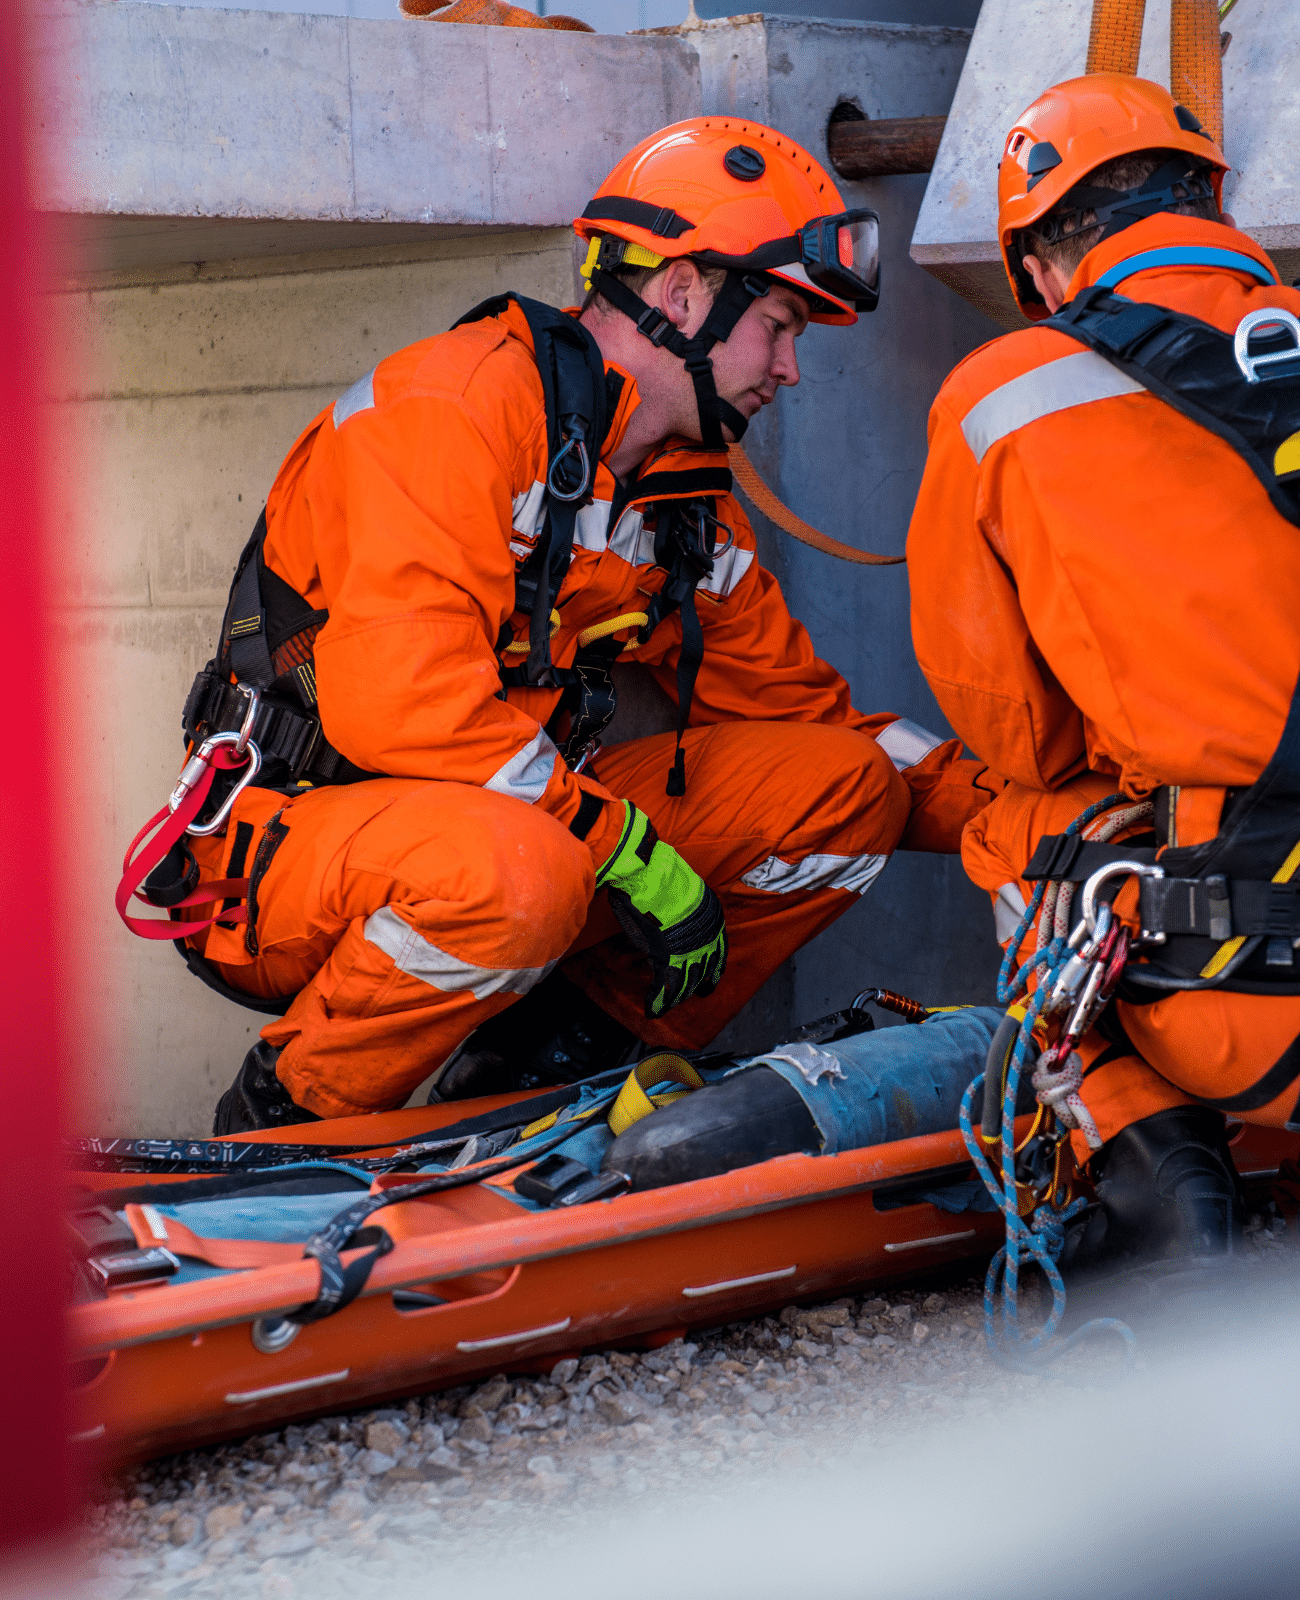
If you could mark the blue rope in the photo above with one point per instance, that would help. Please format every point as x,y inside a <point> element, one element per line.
<point>1042,1238</point>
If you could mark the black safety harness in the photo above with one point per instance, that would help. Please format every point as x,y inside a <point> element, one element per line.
<point>262,680</point>
<point>1224,914</point>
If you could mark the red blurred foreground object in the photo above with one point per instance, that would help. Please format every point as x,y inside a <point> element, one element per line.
<point>35,1489</point>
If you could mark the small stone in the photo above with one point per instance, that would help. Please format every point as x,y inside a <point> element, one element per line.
<point>185,1529</point>
<point>874,1308</point>
<point>223,1520</point>
<point>182,1560</point>
<point>790,1315</point>
<point>565,1371</point>
<point>884,1341</point>
<point>283,1544</point>
<point>933,1304</point>
<point>920,1333</point>
<point>808,1350</point>
<point>348,1506</point>
<point>619,1407</point>
<point>388,1438</point>
<point>900,1314</point>
<point>375,1462</point>
<point>762,1404</point>
<point>542,1466</point>
<point>489,1396</point>
<point>828,1317</point>
<point>476,1429</point>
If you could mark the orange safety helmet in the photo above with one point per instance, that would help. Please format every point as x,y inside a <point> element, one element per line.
<point>1074,128</point>
<point>733,194</point>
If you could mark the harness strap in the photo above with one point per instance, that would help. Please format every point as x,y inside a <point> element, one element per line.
<point>140,860</point>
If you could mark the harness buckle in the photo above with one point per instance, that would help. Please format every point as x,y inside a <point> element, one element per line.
<point>1280,323</point>
<point>653,325</point>
<point>195,767</point>
<point>250,716</point>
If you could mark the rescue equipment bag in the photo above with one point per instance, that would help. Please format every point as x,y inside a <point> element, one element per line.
<point>1224,914</point>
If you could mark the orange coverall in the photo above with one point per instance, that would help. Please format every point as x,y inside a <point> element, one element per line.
<point>1104,599</point>
<point>406,910</point>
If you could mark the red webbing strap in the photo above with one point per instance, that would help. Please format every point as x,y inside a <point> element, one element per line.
<point>137,867</point>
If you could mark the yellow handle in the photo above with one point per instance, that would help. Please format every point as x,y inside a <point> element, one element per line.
<point>602,630</point>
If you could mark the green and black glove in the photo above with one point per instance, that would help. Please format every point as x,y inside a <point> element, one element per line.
<point>668,911</point>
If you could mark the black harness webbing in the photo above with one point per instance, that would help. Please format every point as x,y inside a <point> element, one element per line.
<point>1224,890</point>
<point>1193,367</point>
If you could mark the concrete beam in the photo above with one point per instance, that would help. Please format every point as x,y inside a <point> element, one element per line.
<point>1020,48</point>
<point>208,117</point>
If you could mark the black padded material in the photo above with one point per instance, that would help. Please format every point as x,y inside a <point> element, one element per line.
<point>748,1117</point>
<point>1168,1188</point>
<point>257,1098</point>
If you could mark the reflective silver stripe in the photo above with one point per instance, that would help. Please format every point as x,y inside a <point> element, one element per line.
<point>1071,381</point>
<point>728,570</point>
<point>592,526</point>
<point>1008,909</point>
<point>412,953</point>
<point>906,742</point>
<point>632,540</point>
<point>527,513</point>
<point>360,397</point>
<point>854,873</point>
<point>528,771</point>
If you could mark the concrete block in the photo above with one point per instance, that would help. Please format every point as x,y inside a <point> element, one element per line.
<point>152,112</point>
<point>1020,48</point>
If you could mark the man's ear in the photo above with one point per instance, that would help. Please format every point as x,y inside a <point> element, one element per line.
<point>680,289</point>
<point>1048,280</point>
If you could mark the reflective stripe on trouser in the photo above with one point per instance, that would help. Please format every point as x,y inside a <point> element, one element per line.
<point>411,912</point>
<point>787,822</point>
<point>1238,1052</point>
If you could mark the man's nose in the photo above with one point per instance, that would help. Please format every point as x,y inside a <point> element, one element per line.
<point>785,369</point>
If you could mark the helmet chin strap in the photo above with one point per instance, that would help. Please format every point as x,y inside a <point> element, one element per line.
<point>737,294</point>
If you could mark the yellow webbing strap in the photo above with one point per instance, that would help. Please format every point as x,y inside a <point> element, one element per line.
<point>633,1102</point>
<point>1225,952</point>
<point>747,478</point>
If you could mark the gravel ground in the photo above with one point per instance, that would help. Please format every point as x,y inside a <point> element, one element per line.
<point>344,1505</point>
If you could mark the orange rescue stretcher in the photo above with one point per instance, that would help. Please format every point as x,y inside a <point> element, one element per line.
<point>474,1284</point>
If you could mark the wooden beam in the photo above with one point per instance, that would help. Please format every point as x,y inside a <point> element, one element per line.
<point>885,148</point>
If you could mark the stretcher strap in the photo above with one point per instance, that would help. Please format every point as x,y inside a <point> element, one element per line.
<point>633,1102</point>
<point>171,826</point>
<point>152,1229</point>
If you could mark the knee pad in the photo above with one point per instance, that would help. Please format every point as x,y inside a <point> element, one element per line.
<point>748,1117</point>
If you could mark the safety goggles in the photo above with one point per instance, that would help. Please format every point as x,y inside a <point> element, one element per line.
<point>839,255</point>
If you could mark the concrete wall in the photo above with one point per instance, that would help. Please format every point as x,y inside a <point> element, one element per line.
<point>177,401</point>
<point>202,321</point>
<point>1021,47</point>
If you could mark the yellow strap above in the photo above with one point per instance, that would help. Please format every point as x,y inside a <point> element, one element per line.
<point>633,1102</point>
<point>747,478</point>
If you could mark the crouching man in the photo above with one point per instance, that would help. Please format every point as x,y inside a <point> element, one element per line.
<point>449,560</point>
<point>1105,567</point>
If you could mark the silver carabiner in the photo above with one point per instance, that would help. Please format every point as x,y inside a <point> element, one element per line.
<point>1116,869</point>
<point>195,767</point>
<point>250,717</point>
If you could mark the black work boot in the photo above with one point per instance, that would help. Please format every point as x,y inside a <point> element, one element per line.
<point>555,1034</point>
<point>750,1116</point>
<point>1168,1191</point>
<point>257,1098</point>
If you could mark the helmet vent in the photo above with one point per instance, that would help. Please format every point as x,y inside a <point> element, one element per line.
<point>1042,158</point>
<point>745,163</point>
<point>1189,122</point>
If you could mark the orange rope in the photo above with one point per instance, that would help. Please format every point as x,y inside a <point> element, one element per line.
<point>757,491</point>
<point>1116,36</point>
<point>1196,62</point>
